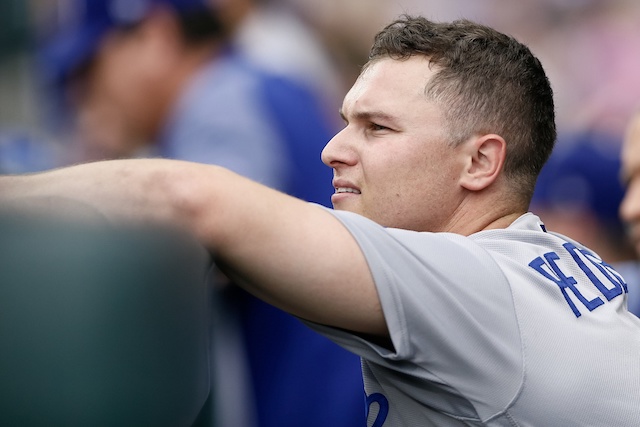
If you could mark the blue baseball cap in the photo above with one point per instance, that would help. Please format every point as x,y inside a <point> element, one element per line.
<point>583,173</point>
<point>81,25</point>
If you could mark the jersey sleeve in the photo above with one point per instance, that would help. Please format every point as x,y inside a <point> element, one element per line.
<point>448,307</point>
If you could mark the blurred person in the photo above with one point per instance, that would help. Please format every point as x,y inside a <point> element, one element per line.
<point>160,78</point>
<point>272,36</point>
<point>630,206</point>
<point>579,193</point>
<point>276,36</point>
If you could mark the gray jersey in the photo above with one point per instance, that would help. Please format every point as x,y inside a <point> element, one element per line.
<point>508,327</point>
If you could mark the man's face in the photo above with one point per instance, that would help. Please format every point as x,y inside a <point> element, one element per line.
<point>392,162</point>
<point>630,207</point>
<point>117,95</point>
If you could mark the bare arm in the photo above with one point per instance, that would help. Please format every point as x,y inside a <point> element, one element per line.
<point>289,253</point>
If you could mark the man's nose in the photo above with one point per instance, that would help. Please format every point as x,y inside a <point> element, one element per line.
<point>338,150</point>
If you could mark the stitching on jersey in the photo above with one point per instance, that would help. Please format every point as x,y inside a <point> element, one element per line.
<point>400,313</point>
<point>510,418</point>
<point>505,411</point>
<point>359,236</point>
<point>523,352</point>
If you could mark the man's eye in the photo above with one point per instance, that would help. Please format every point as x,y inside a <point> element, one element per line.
<point>375,126</point>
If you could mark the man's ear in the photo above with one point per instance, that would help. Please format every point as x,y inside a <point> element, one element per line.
<point>485,156</point>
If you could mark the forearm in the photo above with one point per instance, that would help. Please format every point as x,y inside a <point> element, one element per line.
<point>122,190</point>
<point>290,253</point>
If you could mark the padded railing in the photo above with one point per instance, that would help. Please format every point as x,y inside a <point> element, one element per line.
<point>101,325</point>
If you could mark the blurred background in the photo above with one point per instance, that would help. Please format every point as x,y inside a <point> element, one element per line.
<point>69,93</point>
<point>589,48</point>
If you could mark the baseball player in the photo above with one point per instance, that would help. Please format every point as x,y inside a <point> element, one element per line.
<point>464,309</point>
<point>630,205</point>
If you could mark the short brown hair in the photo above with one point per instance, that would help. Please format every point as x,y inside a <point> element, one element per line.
<point>487,81</point>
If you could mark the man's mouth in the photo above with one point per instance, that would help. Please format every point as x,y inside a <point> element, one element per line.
<point>347,190</point>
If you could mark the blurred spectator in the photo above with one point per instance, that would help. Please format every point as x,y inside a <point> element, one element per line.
<point>273,35</point>
<point>159,78</point>
<point>578,194</point>
<point>630,206</point>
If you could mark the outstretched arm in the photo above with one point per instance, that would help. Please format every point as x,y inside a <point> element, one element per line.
<point>290,253</point>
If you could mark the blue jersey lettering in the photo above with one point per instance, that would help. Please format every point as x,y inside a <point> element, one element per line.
<point>553,273</point>
<point>580,255</point>
<point>383,408</point>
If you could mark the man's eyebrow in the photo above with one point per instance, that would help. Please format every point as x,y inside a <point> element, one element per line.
<point>370,116</point>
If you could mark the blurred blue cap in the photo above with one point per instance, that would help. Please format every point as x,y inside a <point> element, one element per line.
<point>583,173</point>
<point>81,25</point>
